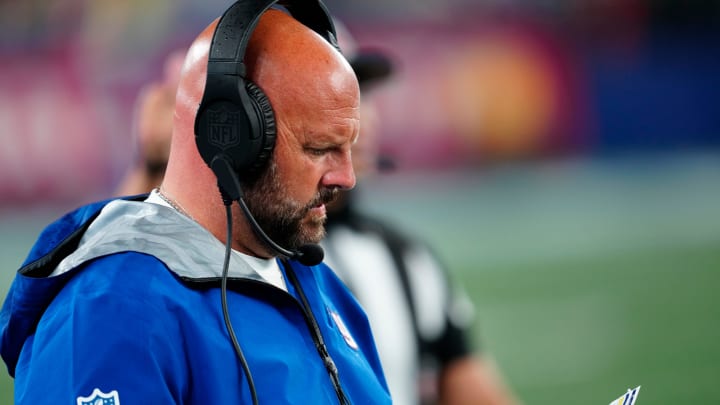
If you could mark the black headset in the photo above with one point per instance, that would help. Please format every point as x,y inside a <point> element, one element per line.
<point>235,124</point>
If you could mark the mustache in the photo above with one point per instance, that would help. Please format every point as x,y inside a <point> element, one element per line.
<point>325,196</point>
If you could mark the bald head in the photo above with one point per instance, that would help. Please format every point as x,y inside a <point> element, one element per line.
<point>305,79</point>
<point>286,59</point>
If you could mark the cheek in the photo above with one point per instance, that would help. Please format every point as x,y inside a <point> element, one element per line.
<point>304,178</point>
<point>298,175</point>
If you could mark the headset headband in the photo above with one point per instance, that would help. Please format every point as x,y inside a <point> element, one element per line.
<point>236,25</point>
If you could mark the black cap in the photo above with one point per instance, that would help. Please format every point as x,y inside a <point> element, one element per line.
<point>371,66</point>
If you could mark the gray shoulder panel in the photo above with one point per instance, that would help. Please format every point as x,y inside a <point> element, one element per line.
<point>185,247</point>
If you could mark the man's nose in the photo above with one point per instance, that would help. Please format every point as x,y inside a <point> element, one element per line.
<point>341,175</point>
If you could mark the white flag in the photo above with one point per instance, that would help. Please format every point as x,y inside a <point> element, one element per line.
<point>629,397</point>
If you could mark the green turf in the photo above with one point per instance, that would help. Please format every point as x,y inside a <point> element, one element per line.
<point>582,331</point>
<point>6,389</point>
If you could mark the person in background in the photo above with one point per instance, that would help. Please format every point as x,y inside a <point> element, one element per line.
<point>152,128</point>
<point>420,319</point>
<point>179,297</point>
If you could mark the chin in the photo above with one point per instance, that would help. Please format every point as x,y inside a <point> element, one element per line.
<point>313,228</point>
<point>314,234</point>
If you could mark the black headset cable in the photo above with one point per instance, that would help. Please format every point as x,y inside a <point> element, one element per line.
<point>223,295</point>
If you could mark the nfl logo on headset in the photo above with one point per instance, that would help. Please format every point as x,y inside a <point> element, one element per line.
<point>223,127</point>
<point>100,398</point>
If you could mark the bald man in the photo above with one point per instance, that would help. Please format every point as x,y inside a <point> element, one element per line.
<point>126,299</point>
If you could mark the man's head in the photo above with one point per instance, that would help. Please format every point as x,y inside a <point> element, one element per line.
<point>154,115</point>
<point>315,99</point>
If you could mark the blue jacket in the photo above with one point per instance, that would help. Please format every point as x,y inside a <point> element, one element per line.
<point>121,300</point>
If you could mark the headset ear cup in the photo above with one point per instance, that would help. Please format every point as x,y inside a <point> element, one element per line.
<point>268,129</point>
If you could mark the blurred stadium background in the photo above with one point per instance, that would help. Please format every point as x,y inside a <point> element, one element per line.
<point>562,157</point>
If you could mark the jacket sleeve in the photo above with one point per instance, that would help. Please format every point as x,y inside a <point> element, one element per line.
<point>107,333</point>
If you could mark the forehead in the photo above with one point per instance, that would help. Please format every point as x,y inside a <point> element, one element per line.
<point>324,103</point>
<point>337,125</point>
<point>319,115</point>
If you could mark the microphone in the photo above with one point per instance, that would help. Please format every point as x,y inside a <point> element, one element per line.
<point>310,254</point>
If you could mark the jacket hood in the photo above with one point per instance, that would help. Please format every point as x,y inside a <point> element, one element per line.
<point>98,230</point>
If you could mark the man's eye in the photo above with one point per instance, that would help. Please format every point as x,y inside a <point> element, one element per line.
<point>316,151</point>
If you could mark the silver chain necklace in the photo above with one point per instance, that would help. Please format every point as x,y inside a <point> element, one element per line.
<point>176,206</point>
